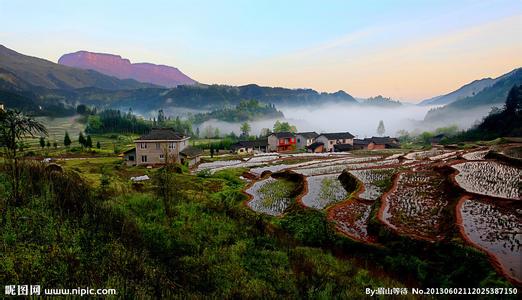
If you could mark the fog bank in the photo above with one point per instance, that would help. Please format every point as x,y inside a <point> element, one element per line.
<point>360,121</point>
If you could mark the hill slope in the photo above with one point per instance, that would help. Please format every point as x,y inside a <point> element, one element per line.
<point>467,90</point>
<point>115,65</point>
<point>22,72</point>
<point>477,106</point>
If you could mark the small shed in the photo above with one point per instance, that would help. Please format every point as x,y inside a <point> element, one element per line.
<point>191,155</point>
<point>130,157</point>
<point>342,147</point>
<point>436,139</point>
<point>316,147</point>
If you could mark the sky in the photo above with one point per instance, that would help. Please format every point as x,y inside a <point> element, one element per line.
<point>405,49</point>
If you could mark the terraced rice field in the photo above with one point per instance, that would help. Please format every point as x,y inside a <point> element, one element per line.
<point>496,230</point>
<point>263,158</point>
<point>415,205</point>
<point>445,156</point>
<point>351,218</point>
<point>270,196</point>
<point>475,155</point>
<point>333,166</point>
<point>375,181</point>
<point>324,190</point>
<point>419,155</point>
<point>373,164</point>
<point>489,178</point>
<point>218,164</point>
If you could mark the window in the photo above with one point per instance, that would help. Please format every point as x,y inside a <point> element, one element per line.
<point>172,145</point>
<point>162,156</point>
<point>144,158</point>
<point>331,142</point>
<point>131,157</point>
<point>299,140</point>
<point>158,146</point>
<point>143,145</point>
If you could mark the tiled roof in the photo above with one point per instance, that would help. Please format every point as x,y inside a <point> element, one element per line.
<point>343,147</point>
<point>360,142</point>
<point>162,134</point>
<point>130,150</point>
<point>337,135</point>
<point>283,134</point>
<point>250,144</point>
<point>190,151</point>
<point>382,140</point>
<point>308,135</point>
<point>315,145</point>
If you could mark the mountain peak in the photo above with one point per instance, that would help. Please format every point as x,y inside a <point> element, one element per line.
<point>115,65</point>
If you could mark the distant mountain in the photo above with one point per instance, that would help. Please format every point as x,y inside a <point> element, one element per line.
<point>477,106</point>
<point>467,90</point>
<point>41,87</point>
<point>209,97</point>
<point>115,65</point>
<point>380,101</point>
<point>21,72</point>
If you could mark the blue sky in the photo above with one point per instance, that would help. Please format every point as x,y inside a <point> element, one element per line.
<point>408,50</point>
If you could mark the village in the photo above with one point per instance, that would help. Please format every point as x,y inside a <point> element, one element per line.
<point>162,145</point>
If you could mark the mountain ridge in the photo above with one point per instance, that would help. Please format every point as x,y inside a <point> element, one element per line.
<point>21,71</point>
<point>123,68</point>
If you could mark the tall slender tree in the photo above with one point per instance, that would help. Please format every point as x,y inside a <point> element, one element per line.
<point>66,140</point>
<point>14,126</point>
<point>380,128</point>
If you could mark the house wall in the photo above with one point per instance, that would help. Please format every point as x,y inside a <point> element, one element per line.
<point>130,158</point>
<point>373,146</point>
<point>328,144</point>
<point>302,142</point>
<point>155,151</point>
<point>244,150</point>
<point>272,143</point>
<point>317,149</point>
<point>192,161</point>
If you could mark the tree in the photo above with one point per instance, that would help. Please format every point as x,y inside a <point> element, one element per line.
<point>81,139</point>
<point>14,126</point>
<point>514,100</point>
<point>42,142</point>
<point>48,144</point>
<point>284,127</point>
<point>82,109</point>
<point>380,128</point>
<point>245,129</point>
<point>161,117</point>
<point>88,142</point>
<point>98,145</point>
<point>209,130</point>
<point>55,145</point>
<point>66,140</point>
<point>197,132</point>
<point>265,132</point>
<point>211,151</point>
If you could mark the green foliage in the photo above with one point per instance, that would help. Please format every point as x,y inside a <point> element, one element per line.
<point>88,142</point>
<point>66,140</point>
<point>499,123</point>
<point>284,126</point>
<point>115,121</point>
<point>308,226</point>
<point>246,110</point>
<point>81,139</point>
<point>245,129</point>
